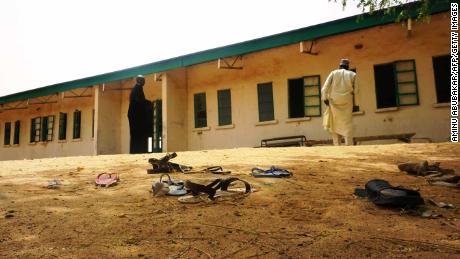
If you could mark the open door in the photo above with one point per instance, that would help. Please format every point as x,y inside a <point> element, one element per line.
<point>157,126</point>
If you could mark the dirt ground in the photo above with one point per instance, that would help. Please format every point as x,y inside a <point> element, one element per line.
<point>313,214</point>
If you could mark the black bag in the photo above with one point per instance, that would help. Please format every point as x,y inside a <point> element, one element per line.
<point>382,193</point>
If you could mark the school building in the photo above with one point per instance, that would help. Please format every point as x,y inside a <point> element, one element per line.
<point>236,95</point>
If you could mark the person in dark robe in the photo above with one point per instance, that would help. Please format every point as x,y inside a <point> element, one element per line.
<point>140,118</point>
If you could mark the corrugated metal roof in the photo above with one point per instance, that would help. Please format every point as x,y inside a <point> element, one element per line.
<point>308,33</point>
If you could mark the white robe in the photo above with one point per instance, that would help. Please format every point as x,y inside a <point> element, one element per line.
<point>339,88</point>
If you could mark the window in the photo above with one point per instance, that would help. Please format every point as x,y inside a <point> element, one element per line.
<point>265,96</point>
<point>76,124</point>
<point>200,110</point>
<point>47,128</point>
<point>17,131</point>
<point>396,84</point>
<point>35,130</point>
<point>224,103</point>
<point>441,67</point>
<point>7,135</point>
<point>304,97</point>
<point>62,126</point>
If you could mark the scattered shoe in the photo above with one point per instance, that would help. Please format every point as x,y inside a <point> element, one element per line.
<point>163,165</point>
<point>168,187</point>
<point>423,168</point>
<point>54,184</point>
<point>218,189</point>
<point>212,169</point>
<point>273,172</point>
<point>107,179</point>
<point>434,174</point>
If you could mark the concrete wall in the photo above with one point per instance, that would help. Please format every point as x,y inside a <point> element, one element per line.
<point>175,110</point>
<point>54,148</point>
<point>108,106</point>
<point>381,45</point>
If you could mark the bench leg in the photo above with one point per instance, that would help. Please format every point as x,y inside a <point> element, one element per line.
<point>405,140</point>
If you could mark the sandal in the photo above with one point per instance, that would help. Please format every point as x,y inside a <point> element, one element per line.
<point>163,165</point>
<point>216,170</point>
<point>225,191</point>
<point>445,180</point>
<point>168,187</point>
<point>381,193</point>
<point>212,169</point>
<point>107,179</point>
<point>54,184</point>
<point>273,172</point>
<point>217,189</point>
<point>423,168</point>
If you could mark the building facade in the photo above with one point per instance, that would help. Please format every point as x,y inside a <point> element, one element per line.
<point>236,95</point>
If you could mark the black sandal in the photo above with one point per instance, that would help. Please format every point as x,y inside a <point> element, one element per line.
<point>217,189</point>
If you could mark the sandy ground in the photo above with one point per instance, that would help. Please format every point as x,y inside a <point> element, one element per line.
<point>313,214</point>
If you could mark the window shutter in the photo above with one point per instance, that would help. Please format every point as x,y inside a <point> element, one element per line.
<point>224,103</point>
<point>17,131</point>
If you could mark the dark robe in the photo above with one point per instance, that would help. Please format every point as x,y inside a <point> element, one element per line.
<point>140,120</point>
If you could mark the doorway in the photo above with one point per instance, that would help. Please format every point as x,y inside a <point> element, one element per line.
<point>157,126</point>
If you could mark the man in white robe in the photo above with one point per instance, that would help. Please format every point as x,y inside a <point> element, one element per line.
<point>337,93</point>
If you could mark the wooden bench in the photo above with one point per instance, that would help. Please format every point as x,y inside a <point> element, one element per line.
<point>291,141</point>
<point>404,137</point>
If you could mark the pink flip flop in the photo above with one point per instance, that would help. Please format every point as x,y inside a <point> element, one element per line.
<point>107,179</point>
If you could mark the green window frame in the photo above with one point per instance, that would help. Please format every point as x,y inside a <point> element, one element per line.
<point>400,75</point>
<point>224,105</point>
<point>406,83</point>
<point>17,131</point>
<point>265,101</point>
<point>312,96</point>
<point>47,128</point>
<point>199,100</point>
<point>76,124</point>
<point>50,128</point>
<point>157,126</point>
<point>304,96</point>
<point>35,129</point>
<point>62,126</point>
<point>7,134</point>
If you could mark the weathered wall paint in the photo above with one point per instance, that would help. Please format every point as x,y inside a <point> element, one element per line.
<point>54,148</point>
<point>175,110</point>
<point>108,107</point>
<point>381,44</point>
